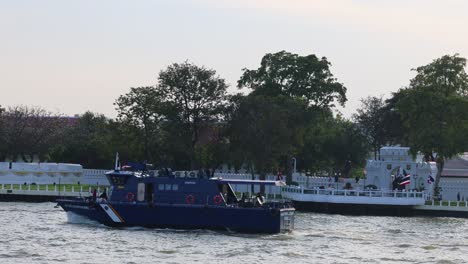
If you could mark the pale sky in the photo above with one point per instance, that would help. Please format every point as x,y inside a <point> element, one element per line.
<point>73,56</point>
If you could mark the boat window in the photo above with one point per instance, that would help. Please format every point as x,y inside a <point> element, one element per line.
<point>168,187</point>
<point>141,192</point>
<point>118,180</point>
<point>149,192</point>
<point>175,187</point>
<point>161,187</point>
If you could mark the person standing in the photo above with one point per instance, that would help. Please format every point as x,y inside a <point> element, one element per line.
<point>94,194</point>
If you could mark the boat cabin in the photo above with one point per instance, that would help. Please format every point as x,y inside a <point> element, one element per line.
<point>144,187</point>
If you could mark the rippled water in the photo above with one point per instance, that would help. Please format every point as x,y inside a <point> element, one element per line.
<point>40,233</point>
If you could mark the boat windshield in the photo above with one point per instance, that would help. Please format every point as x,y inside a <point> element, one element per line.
<point>228,193</point>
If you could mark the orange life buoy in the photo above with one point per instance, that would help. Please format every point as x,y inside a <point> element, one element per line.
<point>217,199</point>
<point>130,197</point>
<point>189,199</point>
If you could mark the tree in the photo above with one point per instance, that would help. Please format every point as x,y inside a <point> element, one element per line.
<point>30,132</point>
<point>370,120</point>
<point>433,110</point>
<point>265,129</point>
<point>305,78</point>
<point>197,98</point>
<point>288,74</point>
<point>88,142</point>
<point>142,108</point>
<point>331,142</point>
<point>392,124</point>
<point>3,146</point>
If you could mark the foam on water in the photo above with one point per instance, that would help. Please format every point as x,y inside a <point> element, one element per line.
<point>79,219</point>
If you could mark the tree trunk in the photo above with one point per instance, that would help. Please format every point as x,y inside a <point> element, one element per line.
<point>440,167</point>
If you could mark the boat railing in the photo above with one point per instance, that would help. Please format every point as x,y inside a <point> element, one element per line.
<point>365,193</point>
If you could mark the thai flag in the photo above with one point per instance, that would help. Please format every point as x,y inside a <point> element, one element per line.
<point>405,180</point>
<point>430,180</point>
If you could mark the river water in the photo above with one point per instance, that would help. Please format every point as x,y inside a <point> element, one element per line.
<point>40,233</point>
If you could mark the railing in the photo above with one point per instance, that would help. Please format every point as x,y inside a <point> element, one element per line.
<point>447,203</point>
<point>365,193</point>
<point>49,189</point>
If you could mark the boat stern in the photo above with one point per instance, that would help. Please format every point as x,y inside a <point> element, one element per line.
<point>287,219</point>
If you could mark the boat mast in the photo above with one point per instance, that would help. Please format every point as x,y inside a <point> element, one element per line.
<point>117,167</point>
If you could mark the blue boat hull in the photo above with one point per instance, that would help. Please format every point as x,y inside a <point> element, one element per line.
<point>185,216</point>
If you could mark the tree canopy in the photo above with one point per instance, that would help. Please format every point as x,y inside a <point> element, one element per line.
<point>370,119</point>
<point>143,109</point>
<point>289,74</point>
<point>434,110</point>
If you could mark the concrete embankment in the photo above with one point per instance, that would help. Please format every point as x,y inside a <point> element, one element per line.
<point>457,209</point>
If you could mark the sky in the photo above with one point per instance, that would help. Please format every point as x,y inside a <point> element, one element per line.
<point>74,56</point>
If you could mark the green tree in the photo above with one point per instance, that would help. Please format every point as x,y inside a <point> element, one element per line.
<point>331,142</point>
<point>30,132</point>
<point>141,111</point>
<point>392,124</point>
<point>265,129</point>
<point>87,142</point>
<point>434,110</point>
<point>370,119</point>
<point>3,147</point>
<point>288,74</point>
<point>196,97</point>
<point>304,78</point>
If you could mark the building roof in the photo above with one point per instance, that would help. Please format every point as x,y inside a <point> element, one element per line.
<point>456,167</point>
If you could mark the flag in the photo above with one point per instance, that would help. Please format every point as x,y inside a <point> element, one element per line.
<point>430,180</point>
<point>405,180</point>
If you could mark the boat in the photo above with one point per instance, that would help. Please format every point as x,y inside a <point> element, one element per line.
<point>139,198</point>
<point>354,202</point>
<point>394,185</point>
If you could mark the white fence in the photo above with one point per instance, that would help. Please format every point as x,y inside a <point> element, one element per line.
<point>48,190</point>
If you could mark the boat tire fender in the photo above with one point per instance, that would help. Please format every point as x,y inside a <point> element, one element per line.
<point>217,199</point>
<point>190,199</point>
<point>130,197</point>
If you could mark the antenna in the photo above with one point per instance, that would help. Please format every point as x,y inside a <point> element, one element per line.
<point>117,164</point>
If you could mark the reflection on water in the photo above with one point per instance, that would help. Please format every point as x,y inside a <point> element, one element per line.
<point>40,233</point>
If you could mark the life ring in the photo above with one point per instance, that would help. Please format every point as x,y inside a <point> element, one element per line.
<point>192,174</point>
<point>217,199</point>
<point>130,197</point>
<point>190,199</point>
